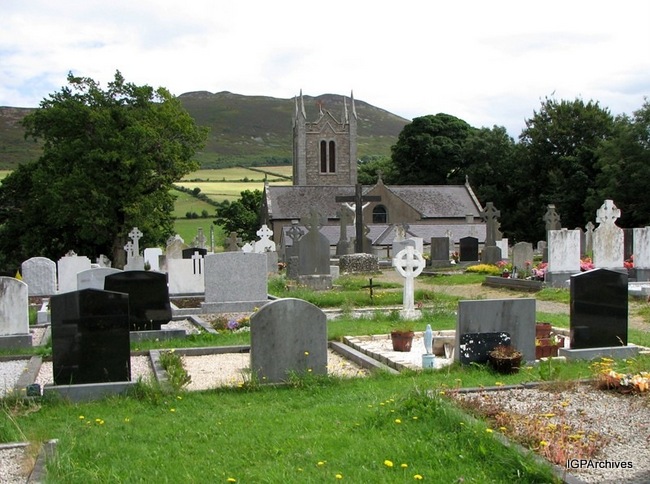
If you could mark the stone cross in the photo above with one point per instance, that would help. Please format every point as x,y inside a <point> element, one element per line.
<point>265,244</point>
<point>409,263</point>
<point>489,215</point>
<point>358,200</point>
<point>295,232</point>
<point>197,262</point>
<point>135,235</point>
<point>130,253</point>
<point>199,240</point>
<point>314,221</point>
<point>608,213</point>
<point>345,217</point>
<point>234,242</point>
<point>552,218</point>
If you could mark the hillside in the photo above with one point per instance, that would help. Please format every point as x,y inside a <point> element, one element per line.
<point>244,130</point>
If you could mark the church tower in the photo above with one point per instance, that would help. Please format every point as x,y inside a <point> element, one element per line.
<point>324,151</point>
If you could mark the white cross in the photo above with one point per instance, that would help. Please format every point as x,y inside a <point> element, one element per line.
<point>409,263</point>
<point>608,213</point>
<point>197,257</point>
<point>135,235</point>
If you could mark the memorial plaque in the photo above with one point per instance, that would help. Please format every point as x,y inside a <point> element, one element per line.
<point>90,337</point>
<point>598,315</point>
<point>475,347</point>
<point>148,292</point>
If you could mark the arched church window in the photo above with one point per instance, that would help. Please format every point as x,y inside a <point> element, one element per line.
<point>379,215</point>
<point>323,156</point>
<point>332,154</point>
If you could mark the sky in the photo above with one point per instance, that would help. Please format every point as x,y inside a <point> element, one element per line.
<point>488,63</point>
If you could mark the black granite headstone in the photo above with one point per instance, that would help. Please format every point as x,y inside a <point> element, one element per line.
<point>468,249</point>
<point>148,292</point>
<point>440,248</point>
<point>189,253</point>
<point>475,347</point>
<point>598,314</point>
<point>90,337</point>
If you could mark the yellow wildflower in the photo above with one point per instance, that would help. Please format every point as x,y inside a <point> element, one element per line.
<point>388,463</point>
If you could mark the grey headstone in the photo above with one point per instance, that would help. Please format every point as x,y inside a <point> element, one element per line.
<point>68,267</point>
<point>236,279</point>
<point>94,278</point>
<point>14,316</point>
<point>314,248</point>
<point>522,256</point>
<point>513,316</point>
<point>39,273</point>
<point>288,336</point>
<point>440,249</point>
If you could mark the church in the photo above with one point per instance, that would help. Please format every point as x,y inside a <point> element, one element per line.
<point>325,169</point>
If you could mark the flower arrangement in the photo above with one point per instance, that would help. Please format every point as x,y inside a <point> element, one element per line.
<point>505,352</point>
<point>629,263</point>
<point>586,264</point>
<point>608,378</point>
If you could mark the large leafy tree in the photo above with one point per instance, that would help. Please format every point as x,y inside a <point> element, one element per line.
<point>560,157</point>
<point>242,216</point>
<point>109,160</point>
<point>429,151</point>
<point>624,163</point>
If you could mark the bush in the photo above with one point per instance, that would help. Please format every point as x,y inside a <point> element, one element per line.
<point>488,269</point>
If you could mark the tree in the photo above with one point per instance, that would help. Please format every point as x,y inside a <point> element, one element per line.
<point>241,216</point>
<point>370,166</point>
<point>429,151</point>
<point>561,143</point>
<point>109,160</point>
<point>624,163</point>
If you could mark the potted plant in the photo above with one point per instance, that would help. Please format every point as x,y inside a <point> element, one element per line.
<point>402,337</point>
<point>505,359</point>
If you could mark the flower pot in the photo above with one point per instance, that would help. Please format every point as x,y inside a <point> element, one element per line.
<point>402,340</point>
<point>505,365</point>
<point>542,330</point>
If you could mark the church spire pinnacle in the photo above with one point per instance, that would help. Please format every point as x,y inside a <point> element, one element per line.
<point>345,111</point>
<point>354,109</point>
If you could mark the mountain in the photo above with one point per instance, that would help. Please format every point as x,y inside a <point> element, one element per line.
<point>244,130</point>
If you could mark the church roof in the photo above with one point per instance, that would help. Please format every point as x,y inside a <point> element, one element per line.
<point>431,201</point>
<point>437,201</point>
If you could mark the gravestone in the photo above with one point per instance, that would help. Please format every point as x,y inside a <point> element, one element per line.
<point>642,253</point>
<point>513,316</point>
<point>149,306</point>
<point>190,252</point>
<point>288,336</point>
<point>475,347</point>
<point>491,253</point>
<point>357,207</point>
<point>90,337</point>
<point>233,243</point>
<point>175,246</point>
<point>200,240</point>
<point>608,238</point>
<point>346,217</point>
<point>522,256</point>
<point>39,273</point>
<point>295,233</point>
<point>134,261</point>
<point>68,267</point>
<point>235,281</point>
<point>551,222</point>
<point>14,316</point>
<point>264,244</point>
<point>440,249</point>
<point>589,238</point>
<point>599,309</point>
<point>314,255</point>
<point>468,249</point>
<point>186,276</point>
<point>409,264</point>
<point>152,257</point>
<point>94,278</point>
<point>563,256</point>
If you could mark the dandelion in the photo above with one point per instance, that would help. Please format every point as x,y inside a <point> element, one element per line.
<point>172,409</point>
<point>81,417</point>
<point>415,417</point>
<point>499,383</point>
<point>388,463</point>
<point>418,477</point>
<point>321,463</point>
<point>339,476</point>
<point>398,421</point>
<point>404,466</point>
<point>502,429</point>
<point>306,353</point>
<point>489,431</point>
<point>127,419</point>
<point>178,397</point>
<point>441,393</point>
<point>231,479</point>
<point>543,443</point>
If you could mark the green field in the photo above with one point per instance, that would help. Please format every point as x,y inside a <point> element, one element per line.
<point>240,173</point>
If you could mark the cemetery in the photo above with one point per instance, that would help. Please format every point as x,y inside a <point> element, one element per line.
<point>228,329</point>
